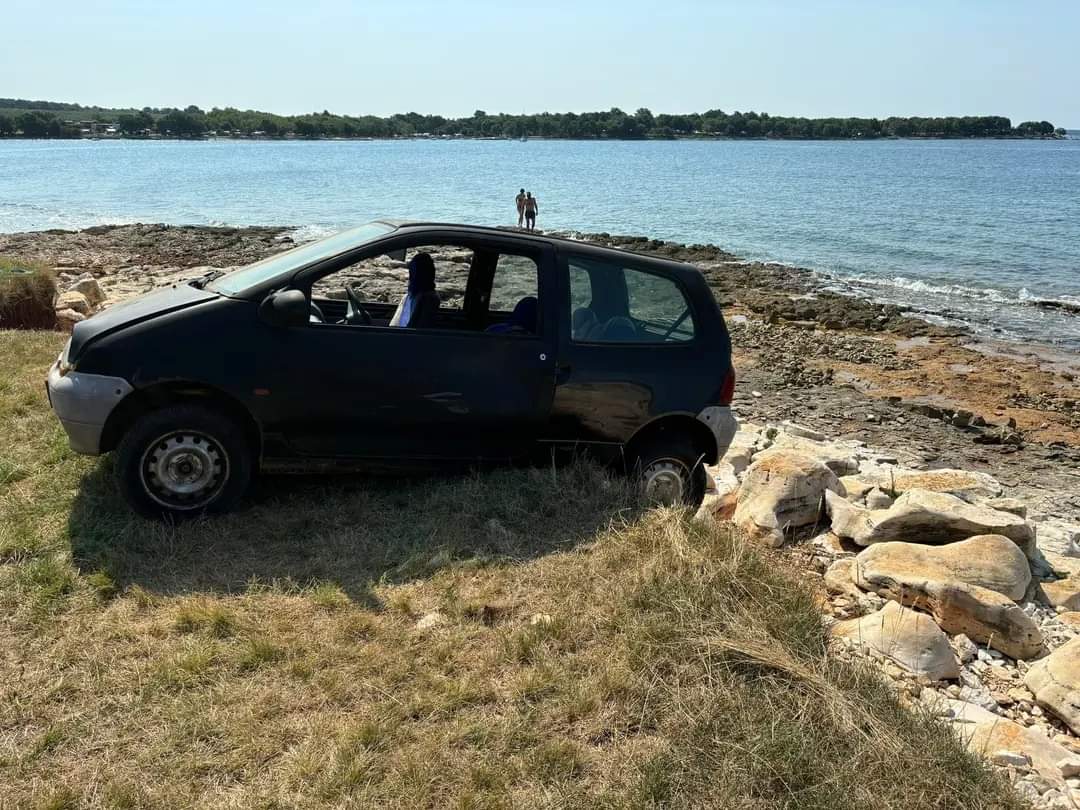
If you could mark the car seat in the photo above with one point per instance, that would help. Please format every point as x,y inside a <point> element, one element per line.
<point>522,319</point>
<point>425,303</point>
<point>617,330</point>
<point>582,323</point>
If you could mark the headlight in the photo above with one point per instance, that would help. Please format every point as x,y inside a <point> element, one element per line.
<point>63,365</point>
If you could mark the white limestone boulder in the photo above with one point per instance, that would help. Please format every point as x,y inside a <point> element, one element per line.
<point>782,490</point>
<point>1055,682</point>
<point>91,290</point>
<point>74,300</point>
<point>921,516</point>
<point>906,637</point>
<point>988,560</point>
<point>985,733</point>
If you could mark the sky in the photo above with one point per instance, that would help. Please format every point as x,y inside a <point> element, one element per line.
<point>451,57</point>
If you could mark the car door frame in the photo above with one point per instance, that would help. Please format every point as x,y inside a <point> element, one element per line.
<point>548,291</point>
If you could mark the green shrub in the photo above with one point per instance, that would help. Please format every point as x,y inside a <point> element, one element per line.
<point>27,291</point>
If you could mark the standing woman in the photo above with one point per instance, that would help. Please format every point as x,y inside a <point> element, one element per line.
<point>520,201</point>
<point>531,208</point>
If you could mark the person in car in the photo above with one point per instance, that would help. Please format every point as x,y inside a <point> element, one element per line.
<point>419,306</point>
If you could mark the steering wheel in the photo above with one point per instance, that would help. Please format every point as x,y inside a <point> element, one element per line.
<point>316,315</point>
<point>355,313</point>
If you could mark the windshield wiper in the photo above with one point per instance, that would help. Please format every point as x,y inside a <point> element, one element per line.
<point>200,282</point>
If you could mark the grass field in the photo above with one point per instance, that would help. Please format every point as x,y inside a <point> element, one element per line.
<point>518,639</point>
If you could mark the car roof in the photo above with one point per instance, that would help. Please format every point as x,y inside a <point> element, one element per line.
<point>577,245</point>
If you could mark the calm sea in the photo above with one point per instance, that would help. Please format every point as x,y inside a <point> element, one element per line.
<point>973,231</point>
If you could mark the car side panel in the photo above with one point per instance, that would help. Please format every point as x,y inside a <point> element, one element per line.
<point>212,344</point>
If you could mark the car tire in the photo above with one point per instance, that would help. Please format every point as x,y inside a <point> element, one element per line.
<point>183,461</point>
<point>671,472</point>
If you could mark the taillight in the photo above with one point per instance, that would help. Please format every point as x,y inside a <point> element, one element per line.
<point>727,391</point>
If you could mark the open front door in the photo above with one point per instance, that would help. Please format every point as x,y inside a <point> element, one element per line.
<point>479,391</point>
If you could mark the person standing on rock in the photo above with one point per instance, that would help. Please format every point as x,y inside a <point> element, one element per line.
<point>531,209</point>
<point>520,200</point>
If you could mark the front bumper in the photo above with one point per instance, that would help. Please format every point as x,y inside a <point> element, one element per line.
<point>721,421</point>
<point>83,403</point>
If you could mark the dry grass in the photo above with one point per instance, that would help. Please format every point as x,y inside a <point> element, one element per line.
<point>27,291</point>
<point>272,658</point>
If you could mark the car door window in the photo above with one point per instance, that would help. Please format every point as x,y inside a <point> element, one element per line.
<point>479,289</point>
<point>381,282</point>
<point>614,304</point>
<point>515,279</point>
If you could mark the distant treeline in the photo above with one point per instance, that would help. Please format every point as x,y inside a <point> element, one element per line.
<point>44,119</point>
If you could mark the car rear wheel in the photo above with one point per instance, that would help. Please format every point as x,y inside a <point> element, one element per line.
<point>671,472</point>
<point>183,461</point>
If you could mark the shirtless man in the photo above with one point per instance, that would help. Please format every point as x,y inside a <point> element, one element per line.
<point>520,200</point>
<point>531,208</point>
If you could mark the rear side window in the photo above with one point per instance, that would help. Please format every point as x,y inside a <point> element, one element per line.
<point>614,304</point>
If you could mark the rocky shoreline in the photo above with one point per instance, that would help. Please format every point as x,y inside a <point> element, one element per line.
<point>951,586</point>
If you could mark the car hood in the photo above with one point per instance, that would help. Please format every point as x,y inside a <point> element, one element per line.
<point>136,310</point>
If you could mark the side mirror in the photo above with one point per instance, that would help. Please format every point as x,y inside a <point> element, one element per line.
<point>285,308</point>
<point>397,255</point>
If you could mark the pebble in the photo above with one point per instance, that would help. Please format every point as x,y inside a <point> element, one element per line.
<point>430,620</point>
<point>965,648</point>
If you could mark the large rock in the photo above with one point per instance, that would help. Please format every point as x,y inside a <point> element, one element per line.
<point>988,560</point>
<point>910,639</point>
<point>67,318</point>
<point>72,299</point>
<point>920,516</point>
<point>856,487</point>
<point>782,490</point>
<point>965,483</point>
<point>979,613</point>
<point>1059,537</point>
<point>985,733</point>
<point>1063,592</point>
<point>1070,619</point>
<point>1055,682</point>
<point>747,441</point>
<point>839,458</point>
<point>840,578</point>
<point>88,286</point>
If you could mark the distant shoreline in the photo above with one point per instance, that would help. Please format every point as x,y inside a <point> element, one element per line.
<point>316,138</point>
<point>51,119</point>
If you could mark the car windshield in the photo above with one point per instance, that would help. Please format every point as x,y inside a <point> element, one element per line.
<point>245,278</point>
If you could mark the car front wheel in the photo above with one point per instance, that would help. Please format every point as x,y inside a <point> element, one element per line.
<point>671,473</point>
<point>182,461</point>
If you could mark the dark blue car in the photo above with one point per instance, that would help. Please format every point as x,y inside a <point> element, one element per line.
<point>403,345</point>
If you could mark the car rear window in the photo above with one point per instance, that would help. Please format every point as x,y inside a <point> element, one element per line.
<point>610,303</point>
